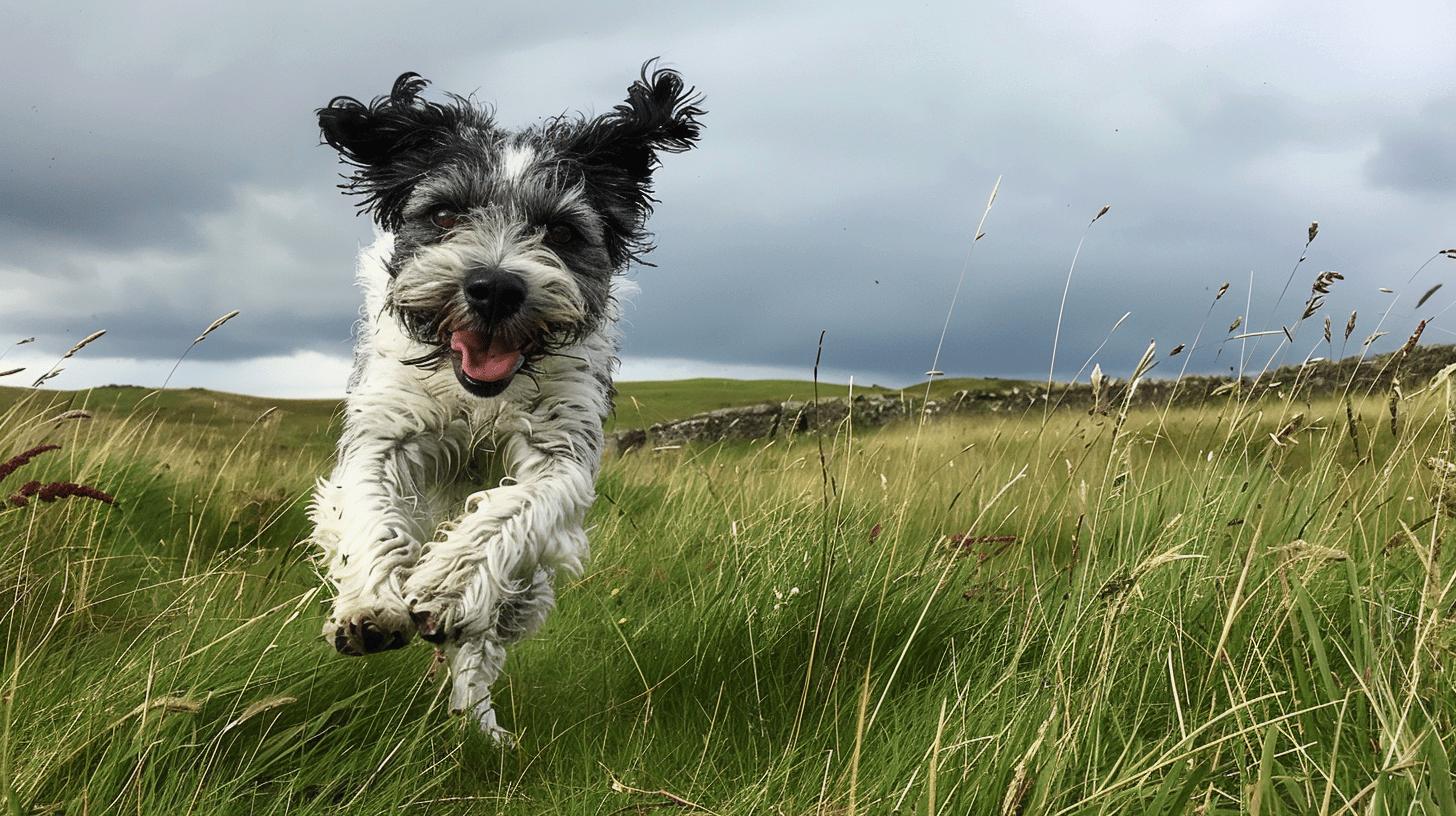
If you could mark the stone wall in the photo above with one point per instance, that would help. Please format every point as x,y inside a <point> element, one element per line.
<point>770,419</point>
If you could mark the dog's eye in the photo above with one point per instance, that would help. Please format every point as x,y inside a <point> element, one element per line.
<point>445,218</point>
<point>560,235</point>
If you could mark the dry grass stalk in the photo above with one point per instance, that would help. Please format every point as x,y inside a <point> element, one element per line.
<point>1394,404</point>
<point>1145,364</point>
<point>1350,426</point>
<point>85,341</point>
<point>673,800</point>
<point>49,375</point>
<point>1014,803</point>
<point>1300,549</point>
<point>1443,491</point>
<point>215,325</point>
<point>260,707</point>
<point>1427,295</point>
<point>1322,283</point>
<point>1284,436</point>
<point>1099,383</point>
<point>174,705</point>
<point>1118,588</point>
<point>1411,341</point>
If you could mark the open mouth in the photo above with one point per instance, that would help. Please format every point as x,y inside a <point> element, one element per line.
<point>484,364</point>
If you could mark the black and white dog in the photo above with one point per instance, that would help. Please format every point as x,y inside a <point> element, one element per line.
<point>483,364</point>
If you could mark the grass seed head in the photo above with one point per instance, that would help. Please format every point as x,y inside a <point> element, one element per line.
<point>85,341</point>
<point>49,375</point>
<point>1322,283</point>
<point>1411,341</point>
<point>215,325</point>
<point>1427,295</point>
<point>22,459</point>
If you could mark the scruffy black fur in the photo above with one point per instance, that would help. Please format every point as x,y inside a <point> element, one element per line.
<point>396,140</point>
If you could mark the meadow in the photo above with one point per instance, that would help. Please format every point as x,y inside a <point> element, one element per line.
<point>1233,607</point>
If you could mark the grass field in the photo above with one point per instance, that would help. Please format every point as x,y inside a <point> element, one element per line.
<point>1227,609</point>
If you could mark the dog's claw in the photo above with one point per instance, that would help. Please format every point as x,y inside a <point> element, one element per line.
<point>429,627</point>
<point>362,635</point>
<point>342,644</point>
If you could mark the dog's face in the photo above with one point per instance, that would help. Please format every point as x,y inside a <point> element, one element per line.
<point>505,242</point>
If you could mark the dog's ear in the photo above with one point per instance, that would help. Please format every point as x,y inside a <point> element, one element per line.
<point>390,142</point>
<point>660,116</point>
<point>619,150</point>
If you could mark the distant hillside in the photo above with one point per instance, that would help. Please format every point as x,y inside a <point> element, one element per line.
<point>1353,376</point>
<point>639,404</point>
<point>642,404</point>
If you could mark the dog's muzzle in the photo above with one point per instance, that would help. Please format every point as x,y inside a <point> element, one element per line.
<point>485,361</point>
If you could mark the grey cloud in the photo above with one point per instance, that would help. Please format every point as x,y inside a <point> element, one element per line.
<point>844,145</point>
<point>1418,154</point>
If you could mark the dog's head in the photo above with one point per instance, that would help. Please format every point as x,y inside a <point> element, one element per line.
<point>505,242</point>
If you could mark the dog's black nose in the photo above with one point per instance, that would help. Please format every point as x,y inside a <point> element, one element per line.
<point>495,294</point>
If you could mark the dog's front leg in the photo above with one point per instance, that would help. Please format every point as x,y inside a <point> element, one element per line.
<point>369,522</point>
<point>489,558</point>
<point>474,667</point>
<point>487,580</point>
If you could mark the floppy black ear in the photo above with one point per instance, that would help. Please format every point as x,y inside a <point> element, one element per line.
<point>620,150</point>
<point>391,142</point>
<point>660,116</point>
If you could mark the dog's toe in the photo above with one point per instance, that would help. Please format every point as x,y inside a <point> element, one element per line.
<point>343,645</point>
<point>367,634</point>
<point>428,625</point>
<point>378,640</point>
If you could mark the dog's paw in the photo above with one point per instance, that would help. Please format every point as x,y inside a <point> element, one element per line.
<point>434,621</point>
<point>436,612</point>
<point>484,720</point>
<point>360,629</point>
<point>482,716</point>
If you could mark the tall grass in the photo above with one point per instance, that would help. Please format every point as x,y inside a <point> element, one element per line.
<point>1216,609</point>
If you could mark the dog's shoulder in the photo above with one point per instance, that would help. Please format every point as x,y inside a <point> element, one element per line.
<point>371,272</point>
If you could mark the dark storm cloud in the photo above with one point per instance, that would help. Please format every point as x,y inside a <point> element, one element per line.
<point>1418,154</point>
<point>163,168</point>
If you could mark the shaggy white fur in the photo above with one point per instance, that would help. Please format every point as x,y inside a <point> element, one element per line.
<point>408,527</point>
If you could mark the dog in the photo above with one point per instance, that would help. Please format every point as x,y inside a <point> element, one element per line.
<point>483,362</point>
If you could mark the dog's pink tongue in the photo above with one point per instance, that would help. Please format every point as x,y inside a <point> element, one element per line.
<point>484,363</point>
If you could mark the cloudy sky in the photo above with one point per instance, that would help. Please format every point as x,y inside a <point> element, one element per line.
<point>162,167</point>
